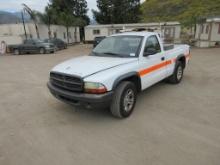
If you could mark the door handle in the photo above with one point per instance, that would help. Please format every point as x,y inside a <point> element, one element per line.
<point>162,58</point>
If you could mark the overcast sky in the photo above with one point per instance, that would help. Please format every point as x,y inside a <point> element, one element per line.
<point>15,5</point>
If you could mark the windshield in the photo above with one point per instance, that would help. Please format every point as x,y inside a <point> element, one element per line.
<point>119,46</point>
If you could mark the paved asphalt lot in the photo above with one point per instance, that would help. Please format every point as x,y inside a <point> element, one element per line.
<point>171,125</point>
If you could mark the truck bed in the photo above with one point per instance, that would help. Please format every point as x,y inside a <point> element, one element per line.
<point>167,47</point>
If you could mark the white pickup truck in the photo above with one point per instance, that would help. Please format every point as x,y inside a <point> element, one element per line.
<point>120,67</point>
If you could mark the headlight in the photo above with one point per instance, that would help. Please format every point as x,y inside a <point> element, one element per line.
<point>47,46</point>
<point>95,88</point>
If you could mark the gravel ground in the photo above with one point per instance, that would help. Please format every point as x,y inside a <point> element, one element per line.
<point>172,124</point>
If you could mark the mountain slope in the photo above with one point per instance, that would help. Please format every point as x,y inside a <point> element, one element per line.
<point>8,18</point>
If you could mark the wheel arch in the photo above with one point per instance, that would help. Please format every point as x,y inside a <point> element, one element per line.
<point>131,76</point>
<point>16,49</point>
<point>182,59</point>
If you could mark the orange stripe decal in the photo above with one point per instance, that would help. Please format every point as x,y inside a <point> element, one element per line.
<point>154,68</point>
<point>159,66</point>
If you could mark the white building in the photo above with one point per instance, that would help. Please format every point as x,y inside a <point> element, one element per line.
<point>208,33</point>
<point>15,34</point>
<point>171,30</point>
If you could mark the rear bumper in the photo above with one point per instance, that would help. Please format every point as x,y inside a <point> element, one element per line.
<point>81,99</point>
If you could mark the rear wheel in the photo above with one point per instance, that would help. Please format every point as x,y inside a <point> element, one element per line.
<point>42,51</point>
<point>124,100</point>
<point>177,76</point>
<point>16,52</point>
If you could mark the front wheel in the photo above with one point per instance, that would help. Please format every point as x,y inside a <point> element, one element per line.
<point>177,76</point>
<point>124,100</point>
<point>42,51</point>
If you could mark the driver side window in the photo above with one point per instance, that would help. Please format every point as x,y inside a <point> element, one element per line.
<point>152,43</point>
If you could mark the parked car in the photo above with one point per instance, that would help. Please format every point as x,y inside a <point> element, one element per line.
<point>33,46</point>
<point>118,69</point>
<point>59,44</point>
<point>97,40</point>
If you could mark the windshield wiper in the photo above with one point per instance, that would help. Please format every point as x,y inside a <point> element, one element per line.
<point>108,54</point>
<point>111,53</point>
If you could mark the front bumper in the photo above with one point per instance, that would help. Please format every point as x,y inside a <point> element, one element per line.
<point>49,50</point>
<point>83,99</point>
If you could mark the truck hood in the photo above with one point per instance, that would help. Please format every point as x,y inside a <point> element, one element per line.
<point>88,65</point>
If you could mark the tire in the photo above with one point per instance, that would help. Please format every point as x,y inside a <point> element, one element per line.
<point>16,52</point>
<point>42,51</point>
<point>177,76</point>
<point>124,100</point>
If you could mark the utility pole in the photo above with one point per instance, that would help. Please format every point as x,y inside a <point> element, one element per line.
<point>22,16</point>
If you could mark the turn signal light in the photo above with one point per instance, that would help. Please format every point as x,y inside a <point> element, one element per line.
<point>94,88</point>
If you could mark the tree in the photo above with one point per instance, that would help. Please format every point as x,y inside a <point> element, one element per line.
<point>47,18</point>
<point>67,20</point>
<point>104,15</point>
<point>132,11</point>
<point>197,11</point>
<point>80,9</point>
<point>77,8</point>
<point>188,12</point>
<point>33,15</point>
<point>114,11</point>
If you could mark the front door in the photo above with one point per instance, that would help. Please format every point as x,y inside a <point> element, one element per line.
<point>29,46</point>
<point>152,66</point>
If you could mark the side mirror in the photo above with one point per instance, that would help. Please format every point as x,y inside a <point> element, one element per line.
<point>150,51</point>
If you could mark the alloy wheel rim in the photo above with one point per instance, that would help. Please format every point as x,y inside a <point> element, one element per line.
<point>179,73</point>
<point>129,100</point>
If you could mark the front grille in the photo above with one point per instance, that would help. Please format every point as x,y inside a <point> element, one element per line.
<point>66,82</point>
